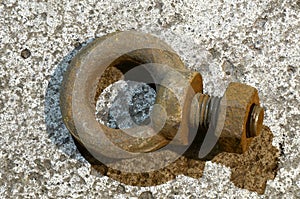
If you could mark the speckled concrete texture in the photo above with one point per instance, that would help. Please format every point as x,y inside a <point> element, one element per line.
<point>254,42</point>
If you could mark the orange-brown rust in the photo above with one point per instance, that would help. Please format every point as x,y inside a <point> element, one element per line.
<point>188,83</point>
<point>161,53</point>
<point>239,99</point>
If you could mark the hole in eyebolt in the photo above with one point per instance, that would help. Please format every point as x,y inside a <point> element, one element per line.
<point>123,98</point>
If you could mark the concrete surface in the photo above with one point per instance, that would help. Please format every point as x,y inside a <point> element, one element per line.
<point>254,42</point>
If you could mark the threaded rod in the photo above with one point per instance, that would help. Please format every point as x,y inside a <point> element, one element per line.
<point>205,107</point>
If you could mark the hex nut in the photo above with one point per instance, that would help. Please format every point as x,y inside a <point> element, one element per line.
<point>240,100</point>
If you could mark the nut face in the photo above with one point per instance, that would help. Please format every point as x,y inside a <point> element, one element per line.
<point>239,99</point>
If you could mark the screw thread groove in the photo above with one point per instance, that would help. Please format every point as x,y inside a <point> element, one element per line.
<point>204,108</point>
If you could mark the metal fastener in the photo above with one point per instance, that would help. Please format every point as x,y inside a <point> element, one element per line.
<point>243,116</point>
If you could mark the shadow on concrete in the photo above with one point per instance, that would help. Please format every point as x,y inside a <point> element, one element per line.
<point>57,131</point>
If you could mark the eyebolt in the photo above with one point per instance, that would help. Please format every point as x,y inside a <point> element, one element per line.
<point>243,115</point>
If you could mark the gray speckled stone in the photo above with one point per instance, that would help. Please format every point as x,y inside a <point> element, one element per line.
<point>124,104</point>
<point>258,42</point>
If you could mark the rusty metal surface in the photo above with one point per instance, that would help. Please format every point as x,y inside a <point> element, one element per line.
<point>179,107</point>
<point>160,53</point>
<point>178,102</point>
<point>239,99</point>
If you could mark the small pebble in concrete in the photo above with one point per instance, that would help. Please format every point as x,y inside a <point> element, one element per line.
<point>25,53</point>
<point>125,104</point>
<point>146,195</point>
<point>121,189</point>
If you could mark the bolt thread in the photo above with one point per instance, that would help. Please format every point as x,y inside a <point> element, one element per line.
<point>204,108</point>
<point>256,119</point>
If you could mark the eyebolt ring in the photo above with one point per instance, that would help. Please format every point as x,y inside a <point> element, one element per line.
<point>92,61</point>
